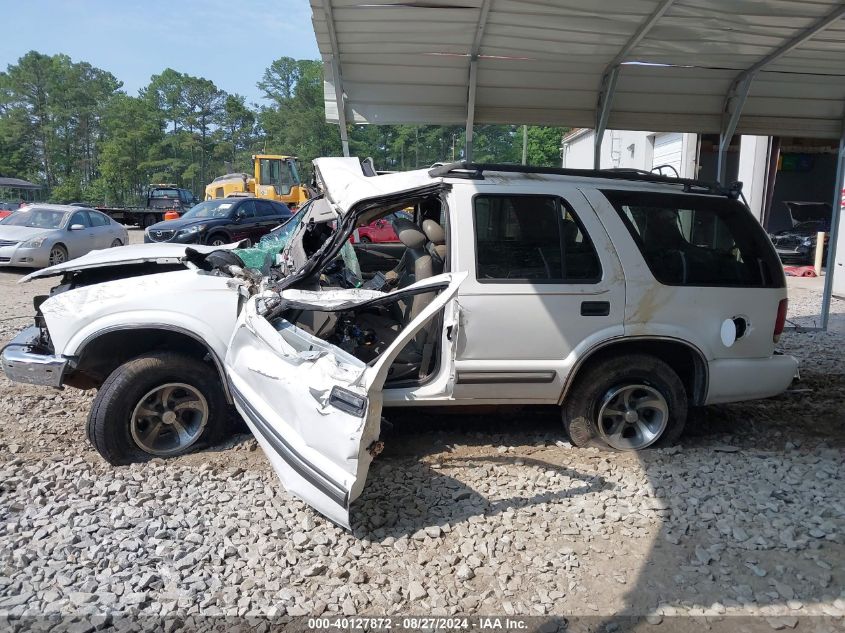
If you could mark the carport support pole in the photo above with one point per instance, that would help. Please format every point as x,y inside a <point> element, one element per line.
<point>608,88</point>
<point>734,102</point>
<point>834,228</point>
<point>473,73</point>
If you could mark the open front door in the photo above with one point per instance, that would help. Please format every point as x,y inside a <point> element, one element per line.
<point>314,408</point>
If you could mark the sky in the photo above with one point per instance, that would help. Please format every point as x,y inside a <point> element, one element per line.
<point>230,42</point>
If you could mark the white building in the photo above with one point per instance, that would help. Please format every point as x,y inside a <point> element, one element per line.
<point>632,149</point>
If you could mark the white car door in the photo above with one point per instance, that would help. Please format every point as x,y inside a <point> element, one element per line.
<point>314,408</point>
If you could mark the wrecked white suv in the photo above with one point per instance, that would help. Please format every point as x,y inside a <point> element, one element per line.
<point>622,297</point>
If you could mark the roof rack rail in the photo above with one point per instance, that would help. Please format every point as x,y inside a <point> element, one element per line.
<point>475,171</point>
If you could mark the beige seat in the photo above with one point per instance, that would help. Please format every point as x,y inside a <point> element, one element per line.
<point>436,246</point>
<point>418,264</point>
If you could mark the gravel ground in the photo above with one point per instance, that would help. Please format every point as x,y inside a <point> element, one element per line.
<point>471,514</point>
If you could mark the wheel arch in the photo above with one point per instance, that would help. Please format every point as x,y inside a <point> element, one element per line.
<point>683,357</point>
<point>102,352</point>
<point>218,231</point>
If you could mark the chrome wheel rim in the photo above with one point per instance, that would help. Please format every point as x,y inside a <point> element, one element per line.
<point>632,417</point>
<point>57,256</point>
<point>116,243</point>
<point>169,419</point>
<point>217,242</point>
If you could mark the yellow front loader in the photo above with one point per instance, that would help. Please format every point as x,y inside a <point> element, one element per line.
<point>275,177</point>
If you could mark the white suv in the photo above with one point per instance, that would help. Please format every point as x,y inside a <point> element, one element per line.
<point>623,297</point>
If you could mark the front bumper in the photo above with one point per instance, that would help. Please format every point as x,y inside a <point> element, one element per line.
<point>191,238</point>
<point>23,363</point>
<point>25,257</point>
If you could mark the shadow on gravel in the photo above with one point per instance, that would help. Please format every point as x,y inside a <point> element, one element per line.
<point>755,505</point>
<point>391,506</point>
<point>756,518</point>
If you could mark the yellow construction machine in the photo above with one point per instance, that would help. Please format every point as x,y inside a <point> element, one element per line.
<point>275,177</point>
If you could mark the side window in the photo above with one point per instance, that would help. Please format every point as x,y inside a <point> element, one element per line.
<point>697,240</point>
<point>97,219</point>
<point>266,209</point>
<point>531,239</point>
<point>247,209</point>
<point>80,217</point>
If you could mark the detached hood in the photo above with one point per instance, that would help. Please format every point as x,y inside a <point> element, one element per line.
<point>344,183</point>
<point>22,233</point>
<point>164,253</point>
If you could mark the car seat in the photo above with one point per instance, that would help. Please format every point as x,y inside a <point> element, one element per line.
<point>436,246</point>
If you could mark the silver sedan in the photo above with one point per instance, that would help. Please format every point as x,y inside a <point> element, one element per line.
<point>49,234</point>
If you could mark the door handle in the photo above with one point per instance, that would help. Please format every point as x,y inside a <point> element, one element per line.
<point>595,308</point>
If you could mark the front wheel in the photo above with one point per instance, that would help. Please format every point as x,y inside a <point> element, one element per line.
<point>217,240</point>
<point>161,404</point>
<point>58,255</point>
<point>626,403</point>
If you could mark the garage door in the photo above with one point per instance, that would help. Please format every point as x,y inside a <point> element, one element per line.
<point>668,151</point>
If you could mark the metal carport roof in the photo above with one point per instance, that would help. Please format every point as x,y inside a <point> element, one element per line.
<point>548,62</point>
<point>768,67</point>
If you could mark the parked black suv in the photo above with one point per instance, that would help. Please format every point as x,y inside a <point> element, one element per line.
<point>221,221</point>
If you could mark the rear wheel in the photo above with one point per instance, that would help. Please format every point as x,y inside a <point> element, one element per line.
<point>365,240</point>
<point>158,405</point>
<point>626,403</point>
<point>58,255</point>
<point>116,243</point>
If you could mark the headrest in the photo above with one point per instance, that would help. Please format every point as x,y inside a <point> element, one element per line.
<point>434,232</point>
<point>409,233</point>
<point>570,231</point>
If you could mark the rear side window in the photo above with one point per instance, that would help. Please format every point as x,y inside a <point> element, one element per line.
<point>691,240</point>
<point>531,239</point>
<point>97,219</point>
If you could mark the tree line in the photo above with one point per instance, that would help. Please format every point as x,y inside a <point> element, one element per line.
<point>72,128</point>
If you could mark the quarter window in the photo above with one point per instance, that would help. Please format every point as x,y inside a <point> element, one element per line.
<point>531,239</point>
<point>692,240</point>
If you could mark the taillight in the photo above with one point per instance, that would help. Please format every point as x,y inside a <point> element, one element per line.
<point>780,321</point>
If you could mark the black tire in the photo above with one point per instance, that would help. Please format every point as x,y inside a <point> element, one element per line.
<point>61,255</point>
<point>109,420</point>
<point>148,220</point>
<point>601,379</point>
<point>217,236</point>
<point>365,240</point>
<point>115,243</point>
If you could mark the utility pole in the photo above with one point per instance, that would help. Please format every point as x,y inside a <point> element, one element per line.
<point>524,144</point>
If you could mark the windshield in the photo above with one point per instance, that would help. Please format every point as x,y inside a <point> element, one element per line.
<point>262,255</point>
<point>210,209</point>
<point>36,218</point>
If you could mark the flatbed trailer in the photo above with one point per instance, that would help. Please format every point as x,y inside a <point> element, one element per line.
<point>160,199</point>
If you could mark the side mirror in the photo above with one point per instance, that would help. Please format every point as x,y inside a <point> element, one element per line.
<point>77,227</point>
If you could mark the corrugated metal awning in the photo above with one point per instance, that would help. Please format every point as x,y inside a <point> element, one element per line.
<point>679,64</point>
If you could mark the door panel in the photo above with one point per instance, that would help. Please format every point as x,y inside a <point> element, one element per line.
<point>519,337</point>
<point>314,408</point>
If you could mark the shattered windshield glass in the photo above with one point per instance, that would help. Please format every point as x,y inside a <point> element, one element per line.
<point>262,256</point>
